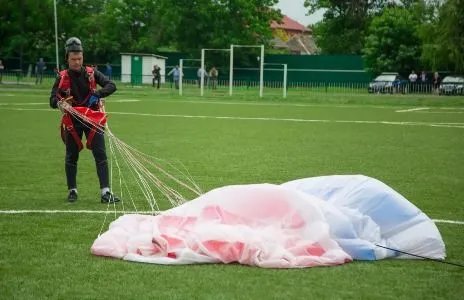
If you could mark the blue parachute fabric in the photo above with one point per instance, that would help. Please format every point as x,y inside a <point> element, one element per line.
<point>373,213</point>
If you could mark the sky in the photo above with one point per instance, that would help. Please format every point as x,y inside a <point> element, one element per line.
<point>296,10</point>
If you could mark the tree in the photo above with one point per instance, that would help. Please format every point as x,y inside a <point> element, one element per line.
<point>24,30</point>
<point>343,27</point>
<point>392,43</point>
<point>108,27</point>
<point>442,35</point>
<point>219,23</point>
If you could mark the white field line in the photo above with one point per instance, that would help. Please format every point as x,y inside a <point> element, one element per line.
<point>286,104</point>
<point>228,102</point>
<point>46,211</point>
<point>448,125</point>
<point>412,109</point>
<point>441,112</point>
<point>25,104</point>
<point>44,103</point>
<point>123,100</point>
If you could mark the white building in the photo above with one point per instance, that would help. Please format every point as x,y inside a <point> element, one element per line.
<point>136,68</point>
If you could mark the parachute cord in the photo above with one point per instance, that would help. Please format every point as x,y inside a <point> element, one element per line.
<point>423,257</point>
<point>139,166</point>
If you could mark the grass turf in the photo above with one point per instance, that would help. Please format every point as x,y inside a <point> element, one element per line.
<point>261,140</point>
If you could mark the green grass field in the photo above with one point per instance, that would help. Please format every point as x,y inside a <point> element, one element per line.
<point>412,143</point>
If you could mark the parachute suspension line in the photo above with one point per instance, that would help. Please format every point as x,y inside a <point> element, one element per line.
<point>195,189</point>
<point>136,174</point>
<point>423,257</point>
<point>139,165</point>
<point>145,157</point>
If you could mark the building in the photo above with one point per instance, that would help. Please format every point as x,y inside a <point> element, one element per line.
<point>136,68</point>
<point>293,37</point>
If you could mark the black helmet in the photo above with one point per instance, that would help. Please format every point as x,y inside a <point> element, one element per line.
<point>73,45</point>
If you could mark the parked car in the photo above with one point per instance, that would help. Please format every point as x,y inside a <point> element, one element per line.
<point>452,85</point>
<point>387,83</point>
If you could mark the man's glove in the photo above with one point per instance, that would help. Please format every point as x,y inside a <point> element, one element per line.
<point>93,100</point>
<point>63,105</point>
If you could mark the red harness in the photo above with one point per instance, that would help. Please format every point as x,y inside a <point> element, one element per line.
<point>99,117</point>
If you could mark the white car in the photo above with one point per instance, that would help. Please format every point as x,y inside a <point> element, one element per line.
<point>452,85</point>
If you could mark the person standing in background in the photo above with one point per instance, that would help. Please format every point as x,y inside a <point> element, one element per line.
<point>213,74</point>
<point>108,70</point>
<point>175,76</point>
<point>2,67</point>
<point>156,76</point>
<point>39,71</point>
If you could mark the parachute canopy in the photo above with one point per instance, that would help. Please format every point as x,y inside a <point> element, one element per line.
<point>319,221</point>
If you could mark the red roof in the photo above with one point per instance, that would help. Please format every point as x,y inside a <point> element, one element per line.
<point>289,24</point>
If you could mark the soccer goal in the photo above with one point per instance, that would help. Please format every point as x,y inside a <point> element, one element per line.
<point>183,67</point>
<point>261,67</point>
<point>278,68</point>
<point>213,80</point>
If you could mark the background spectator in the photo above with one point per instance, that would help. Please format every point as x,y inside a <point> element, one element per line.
<point>423,82</point>
<point>412,80</point>
<point>2,67</point>
<point>175,76</point>
<point>39,71</point>
<point>205,76</point>
<point>156,76</point>
<point>108,70</point>
<point>213,74</point>
<point>436,81</point>
<point>423,77</point>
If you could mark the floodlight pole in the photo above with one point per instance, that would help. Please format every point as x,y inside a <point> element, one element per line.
<point>56,36</point>
<point>231,71</point>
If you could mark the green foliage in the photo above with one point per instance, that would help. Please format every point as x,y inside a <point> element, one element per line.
<point>25,30</point>
<point>343,27</point>
<point>392,43</point>
<point>217,24</point>
<point>109,27</point>
<point>443,35</point>
<point>339,35</point>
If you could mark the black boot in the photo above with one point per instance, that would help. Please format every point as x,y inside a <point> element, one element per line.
<point>108,197</point>
<point>72,197</point>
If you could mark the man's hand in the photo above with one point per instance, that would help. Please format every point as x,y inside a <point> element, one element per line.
<point>63,105</point>
<point>93,100</point>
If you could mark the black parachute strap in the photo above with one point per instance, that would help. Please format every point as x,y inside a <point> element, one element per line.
<point>424,257</point>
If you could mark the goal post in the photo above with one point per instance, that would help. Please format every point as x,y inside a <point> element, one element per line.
<point>181,72</point>
<point>202,76</point>
<point>261,67</point>
<point>284,83</point>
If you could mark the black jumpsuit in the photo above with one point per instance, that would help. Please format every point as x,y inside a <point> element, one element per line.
<point>80,91</point>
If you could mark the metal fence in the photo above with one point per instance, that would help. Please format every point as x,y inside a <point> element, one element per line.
<point>191,84</point>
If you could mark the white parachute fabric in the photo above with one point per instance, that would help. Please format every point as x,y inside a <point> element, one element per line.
<point>374,214</point>
<point>320,221</point>
<point>259,225</point>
